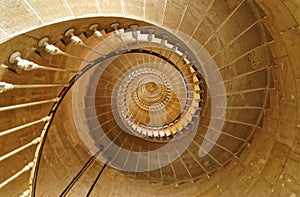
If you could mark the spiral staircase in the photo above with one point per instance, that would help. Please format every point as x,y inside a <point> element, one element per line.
<point>146,98</point>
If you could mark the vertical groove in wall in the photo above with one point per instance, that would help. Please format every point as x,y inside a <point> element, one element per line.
<point>183,14</point>
<point>34,12</point>
<point>164,12</point>
<point>122,4</point>
<point>69,7</point>
<point>98,7</point>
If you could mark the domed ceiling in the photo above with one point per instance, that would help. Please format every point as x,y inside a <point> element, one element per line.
<point>120,106</point>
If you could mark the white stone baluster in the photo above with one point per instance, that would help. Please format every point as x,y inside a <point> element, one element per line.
<point>11,107</point>
<point>33,142</point>
<point>5,86</point>
<point>77,41</point>
<point>28,167</point>
<point>26,65</point>
<point>25,193</point>
<point>44,119</point>
<point>118,34</point>
<point>53,50</point>
<point>99,35</point>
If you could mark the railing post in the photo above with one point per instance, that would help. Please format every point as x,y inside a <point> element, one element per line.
<point>28,167</point>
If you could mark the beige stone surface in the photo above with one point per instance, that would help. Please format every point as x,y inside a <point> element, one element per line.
<point>111,7</point>
<point>294,8</point>
<point>298,89</point>
<point>82,7</point>
<point>258,104</point>
<point>13,24</point>
<point>279,13</point>
<point>3,34</point>
<point>284,75</point>
<point>45,9</point>
<point>193,16</point>
<point>155,11</point>
<point>134,8</point>
<point>174,13</point>
<point>292,43</point>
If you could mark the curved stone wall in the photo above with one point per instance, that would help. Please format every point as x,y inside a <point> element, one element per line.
<point>268,167</point>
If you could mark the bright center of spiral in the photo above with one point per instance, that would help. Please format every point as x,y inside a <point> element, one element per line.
<point>151,95</point>
<point>154,100</point>
<point>151,87</point>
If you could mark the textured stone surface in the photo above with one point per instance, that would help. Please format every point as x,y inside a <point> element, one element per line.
<point>13,24</point>
<point>174,13</point>
<point>134,8</point>
<point>279,14</point>
<point>269,167</point>
<point>45,11</point>
<point>81,7</point>
<point>154,11</point>
<point>293,7</point>
<point>292,43</point>
<point>111,7</point>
